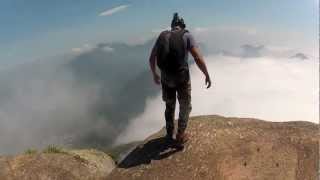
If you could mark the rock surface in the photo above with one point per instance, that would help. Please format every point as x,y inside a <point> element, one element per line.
<point>229,149</point>
<point>74,164</point>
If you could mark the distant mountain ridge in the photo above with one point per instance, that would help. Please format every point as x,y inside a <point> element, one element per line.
<point>300,56</point>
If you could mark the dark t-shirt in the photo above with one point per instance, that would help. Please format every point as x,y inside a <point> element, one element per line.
<point>172,80</point>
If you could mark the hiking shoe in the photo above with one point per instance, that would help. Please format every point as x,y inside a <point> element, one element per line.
<point>181,139</point>
<point>169,139</point>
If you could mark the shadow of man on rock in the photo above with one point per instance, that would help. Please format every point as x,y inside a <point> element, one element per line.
<point>155,149</point>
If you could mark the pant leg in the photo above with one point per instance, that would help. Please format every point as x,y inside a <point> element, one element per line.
<point>184,98</point>
<point>169,97</point>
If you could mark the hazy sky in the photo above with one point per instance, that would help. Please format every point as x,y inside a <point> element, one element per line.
<point>33,29</point>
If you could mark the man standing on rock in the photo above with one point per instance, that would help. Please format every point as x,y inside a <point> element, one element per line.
<point>170,53</point>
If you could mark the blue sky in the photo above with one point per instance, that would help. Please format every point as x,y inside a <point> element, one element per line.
<point>35,29</point>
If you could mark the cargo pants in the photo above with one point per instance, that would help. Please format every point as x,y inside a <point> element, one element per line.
<point>173,87</point>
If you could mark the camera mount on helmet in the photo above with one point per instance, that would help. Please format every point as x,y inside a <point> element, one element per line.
<point>177,21</point>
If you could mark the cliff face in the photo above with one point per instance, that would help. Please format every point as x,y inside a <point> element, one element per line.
<point>229,149</point>
<point>219,148</point>
<point>76,164</point>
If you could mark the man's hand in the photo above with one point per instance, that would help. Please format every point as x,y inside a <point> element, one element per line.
<point>156,78</point>
<point>208,82</point>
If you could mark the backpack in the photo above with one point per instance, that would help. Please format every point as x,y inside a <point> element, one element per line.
<point>171,52</point>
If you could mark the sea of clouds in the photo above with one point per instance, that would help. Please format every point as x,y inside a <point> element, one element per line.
<point>268,88</point>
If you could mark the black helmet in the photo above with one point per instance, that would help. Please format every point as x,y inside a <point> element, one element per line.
<point>177,21</point>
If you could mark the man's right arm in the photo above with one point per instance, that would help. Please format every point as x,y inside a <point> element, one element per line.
<point>201,64</point>
<point>152,63</point>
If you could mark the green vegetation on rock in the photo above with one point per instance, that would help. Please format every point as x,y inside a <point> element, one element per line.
<point>53,149</point>
<point>30,151</point>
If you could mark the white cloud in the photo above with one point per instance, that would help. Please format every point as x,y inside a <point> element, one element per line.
<point>45,109</point>
<point>76,50</point>
<point>87,45</point>
<point>84,48</point>
<point>114,10</point>
<point>108,49</point>
<point>201,29</point>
